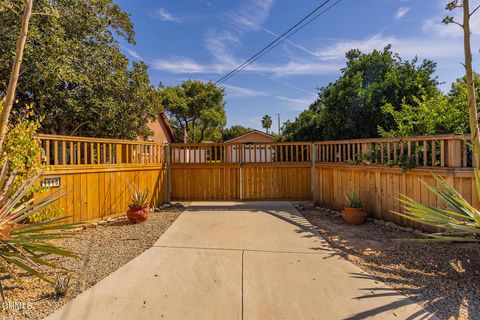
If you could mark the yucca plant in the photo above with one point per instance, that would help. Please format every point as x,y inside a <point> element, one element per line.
<point>459,223</point>
<point>24,246</point>
<point>140,198</point>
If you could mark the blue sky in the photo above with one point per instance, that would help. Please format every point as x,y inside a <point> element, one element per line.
<point>204,39</point>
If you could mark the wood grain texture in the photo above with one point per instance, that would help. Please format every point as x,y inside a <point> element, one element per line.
<point>380,187</point>
<point>261,181</point>
<point>96,192</point>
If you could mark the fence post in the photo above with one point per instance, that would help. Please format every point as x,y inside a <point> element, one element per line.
<point>366,148</point>
<point>118,154</point>
<point>314,177</point>
<point>242,152</point>
<point>168,157</point>
<point>454,153</point>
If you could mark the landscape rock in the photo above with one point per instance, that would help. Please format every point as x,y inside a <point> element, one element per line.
<point>309,205</point>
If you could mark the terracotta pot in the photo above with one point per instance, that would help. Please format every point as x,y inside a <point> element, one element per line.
<point>137,214</point>
<point>354,215</point>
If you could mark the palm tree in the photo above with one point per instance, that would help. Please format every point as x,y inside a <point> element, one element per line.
<point>266,122</point>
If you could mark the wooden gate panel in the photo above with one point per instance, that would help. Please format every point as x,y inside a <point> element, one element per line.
<point>205,182</point>
<point>277,181</point>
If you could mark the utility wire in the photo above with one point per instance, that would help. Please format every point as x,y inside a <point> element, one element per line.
<point>279,40</point>
<point>285,38</point>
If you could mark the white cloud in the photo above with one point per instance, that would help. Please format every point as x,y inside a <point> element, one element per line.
<point>208,3</point>
<point>165,16</point>
<point>179,65</point>
<point>298,68</point>
<point>297,104</point>
<point>240,92</point>
<point>431,48</point>
<point>401,12</point>
<point>218,44</point>
<point>183,65</point>
<point>296,45</point>
<point>435,27</point>
<point>251,14</point>
<point>134,54</point>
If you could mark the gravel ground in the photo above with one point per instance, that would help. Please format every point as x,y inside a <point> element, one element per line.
<point>103,249</point>
<point>443,277</point>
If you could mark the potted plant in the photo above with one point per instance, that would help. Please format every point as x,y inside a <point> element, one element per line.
<point>353,212</point>
<point>138,210</point>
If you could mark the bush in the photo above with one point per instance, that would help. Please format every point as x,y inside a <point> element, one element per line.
<point>21,147</point>
<point>49,213</point>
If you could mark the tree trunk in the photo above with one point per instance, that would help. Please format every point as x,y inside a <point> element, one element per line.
<point>12,84</point>
<point>472,105</point>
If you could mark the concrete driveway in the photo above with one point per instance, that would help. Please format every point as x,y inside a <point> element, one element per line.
<point>254,260</point>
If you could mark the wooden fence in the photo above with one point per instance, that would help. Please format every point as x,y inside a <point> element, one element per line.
<point>100,174</point>
<point>259,171</point>
<point>382,169</point>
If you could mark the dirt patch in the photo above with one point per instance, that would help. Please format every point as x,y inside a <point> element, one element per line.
<point>103,250</point>
<point>442,277</point>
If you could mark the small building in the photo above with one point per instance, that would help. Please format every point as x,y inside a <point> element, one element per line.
<point>254,136</point>
<point>256,148</point>
<point>162,132</point>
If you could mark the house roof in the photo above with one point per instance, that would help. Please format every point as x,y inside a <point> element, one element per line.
<point>166,123</point>
<point>249,133</point>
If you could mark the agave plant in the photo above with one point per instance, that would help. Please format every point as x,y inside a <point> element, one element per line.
<point>353,200</point>
<point>24,246</point>
<point>459,223</point>
<point>140,198</point>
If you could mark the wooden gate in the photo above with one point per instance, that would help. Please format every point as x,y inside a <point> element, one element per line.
<point>264,171</point>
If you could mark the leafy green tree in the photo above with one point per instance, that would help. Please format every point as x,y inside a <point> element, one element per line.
<point>351,107</point>
<point>308,126</point>
<point>234,131</point>
<point>266,122</point>
<point>74,73</point>
<point>438,114</point>
<point>196,110</point>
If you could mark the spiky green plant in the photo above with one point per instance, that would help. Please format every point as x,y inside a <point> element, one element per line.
<point>61,285</point>
<point>459,223</point>
<point>140,198</point>
<point>353,200</point>
<point>24,246</point>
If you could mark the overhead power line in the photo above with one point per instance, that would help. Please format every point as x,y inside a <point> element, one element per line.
<point>284,36</point>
